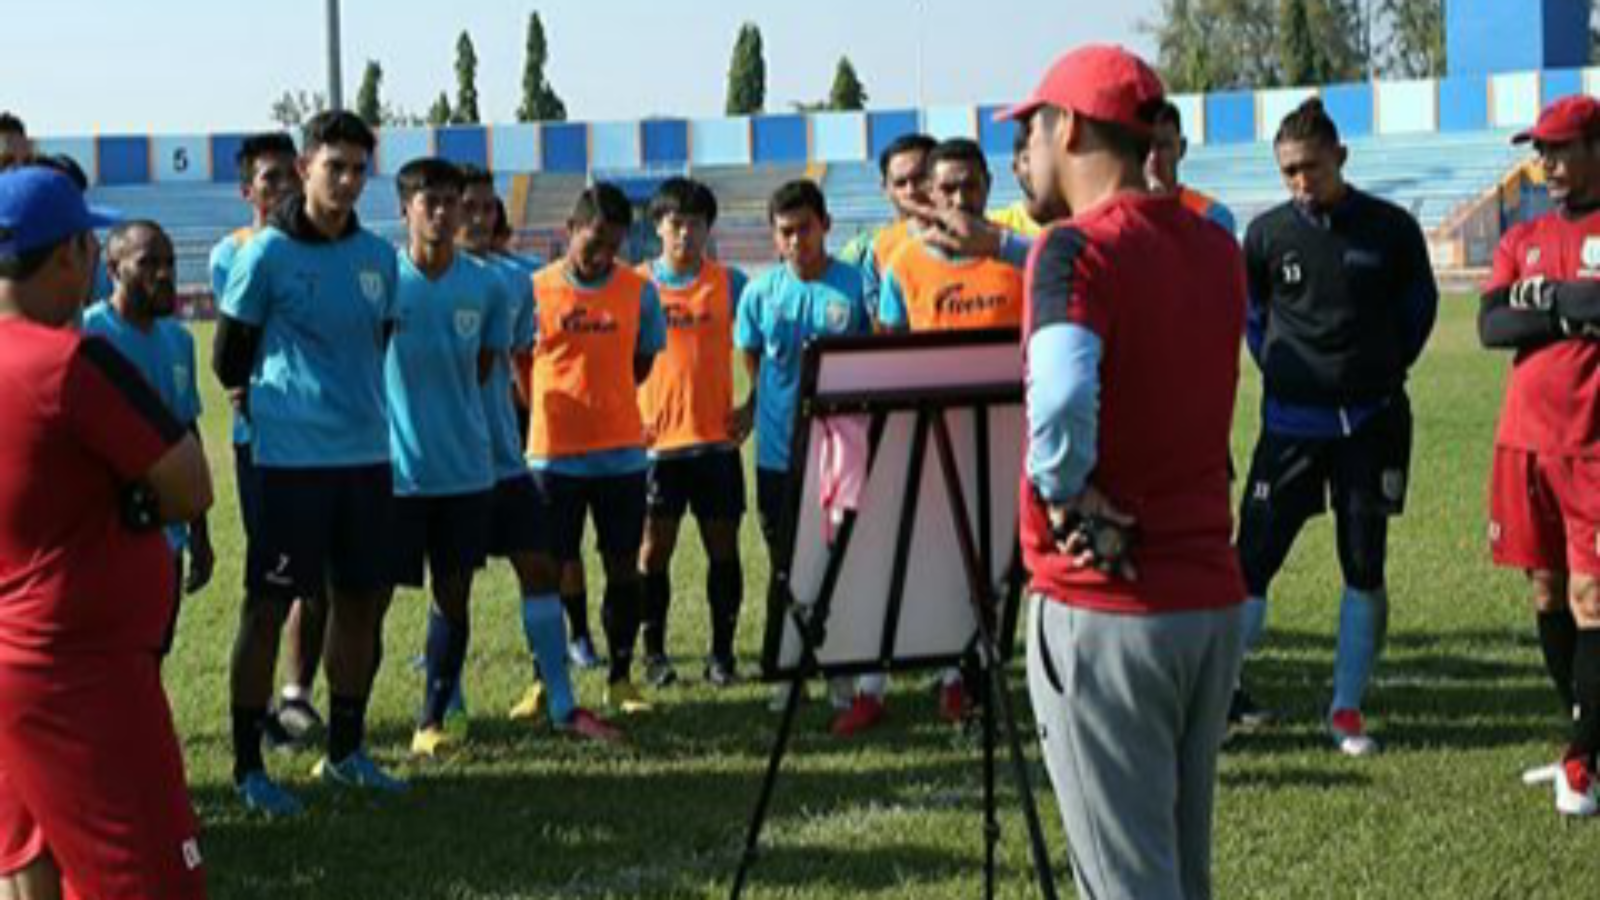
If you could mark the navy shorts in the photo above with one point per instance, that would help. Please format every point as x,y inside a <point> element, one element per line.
<point>1365,473</point>
<point>772,498</point>
<point>447,535</point>
<point>617,502</point>
<point>711,484</point>
<point>247,479</point>
<point>515,523</point>
<point>321,527</point>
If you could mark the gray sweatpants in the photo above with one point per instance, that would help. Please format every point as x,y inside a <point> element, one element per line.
<point>1132,711</point>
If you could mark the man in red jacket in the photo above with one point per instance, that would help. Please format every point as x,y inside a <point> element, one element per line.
<point>1133,636</point>
<point>92,794</point>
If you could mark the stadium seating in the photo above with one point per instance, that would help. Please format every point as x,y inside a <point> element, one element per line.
<point>1431,175</point>
<point>197,215</point>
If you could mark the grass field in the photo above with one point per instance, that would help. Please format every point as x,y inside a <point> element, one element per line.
<point>1460,704</point>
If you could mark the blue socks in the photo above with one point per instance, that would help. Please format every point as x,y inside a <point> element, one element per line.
<point>1363,622</point>
<point>546,632</point>
<point>445,655</point>
<point>1255,623</point>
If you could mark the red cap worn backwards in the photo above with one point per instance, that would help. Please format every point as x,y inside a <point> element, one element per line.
<point>1099,81</point>
<point>1563,121</point>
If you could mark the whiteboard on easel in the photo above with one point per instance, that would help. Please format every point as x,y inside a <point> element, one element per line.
<point>888,578</point>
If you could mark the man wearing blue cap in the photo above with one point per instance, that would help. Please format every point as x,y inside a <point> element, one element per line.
<point>92,465</point>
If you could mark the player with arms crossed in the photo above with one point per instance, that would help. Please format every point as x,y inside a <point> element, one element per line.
<point>1543,302</point>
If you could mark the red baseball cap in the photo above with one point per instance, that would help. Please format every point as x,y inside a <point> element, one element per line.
<point>1563,121</point>
<point>1100,81</point>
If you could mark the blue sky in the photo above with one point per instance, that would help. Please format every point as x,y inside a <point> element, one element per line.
<point>182,66</point>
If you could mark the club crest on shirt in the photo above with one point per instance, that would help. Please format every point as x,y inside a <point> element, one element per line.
<point>1591,254</point>
<point>467,322</point>
<point>837,316</point>
<point>372,285</point>
<point>1394,485</point>
<point>191,854</point>
<point>1534,255</point>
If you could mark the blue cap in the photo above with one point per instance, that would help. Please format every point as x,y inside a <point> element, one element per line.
<point>40,207</point>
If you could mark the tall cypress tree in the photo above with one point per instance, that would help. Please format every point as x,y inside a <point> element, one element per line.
<point>1297,53</point>
<point>847,92</point>
<point>747,75</point>
<point>466,111</point>
<point>440,113</point>
<point>539,100</point>
<point>369,100</point>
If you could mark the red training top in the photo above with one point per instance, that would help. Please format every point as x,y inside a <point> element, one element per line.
<point>1164,290</point>
<point>1552,400</point>
<point>77,424</point>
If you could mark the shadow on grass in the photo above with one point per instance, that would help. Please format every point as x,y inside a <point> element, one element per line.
<point>596,831</point>
<point>1467,690</point>
<point>1275,779</point>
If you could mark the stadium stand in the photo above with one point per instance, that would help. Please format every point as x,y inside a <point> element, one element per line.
<point>1432,175</point>
<point>1439,148</point>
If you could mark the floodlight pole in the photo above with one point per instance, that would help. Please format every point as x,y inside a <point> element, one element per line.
<point>335,77</point>
<point>920,8</point>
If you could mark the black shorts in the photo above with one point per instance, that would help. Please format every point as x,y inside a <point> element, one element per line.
<point>1366,473</point>
<point>321,527</point>
<point>772,495</point>
<point>448,535</point>
<point>711,484</point>
<point>515,524</point>
<point>247,479</point>
<point>617,502</point>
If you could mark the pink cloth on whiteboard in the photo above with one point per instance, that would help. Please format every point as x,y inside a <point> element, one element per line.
<point>842,464</point>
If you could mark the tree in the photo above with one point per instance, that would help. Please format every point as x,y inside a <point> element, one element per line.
<point>1208,45</point>
<point>1297,55</point>
<point>293,108</point>
<point>466,111</point>
<point>369,103</point>
<point>1414,45</point>
<point>440,113</point>
<point>540,102</point>
<point>747,75</point>
<point>847,92</point>
<point>1338,31</point>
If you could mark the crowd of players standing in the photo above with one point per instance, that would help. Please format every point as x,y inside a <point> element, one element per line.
<point>378,443</point>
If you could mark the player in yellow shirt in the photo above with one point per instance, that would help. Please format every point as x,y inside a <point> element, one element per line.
<point>1016,217</point>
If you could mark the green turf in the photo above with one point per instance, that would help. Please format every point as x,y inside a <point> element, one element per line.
<point>1460,704</point>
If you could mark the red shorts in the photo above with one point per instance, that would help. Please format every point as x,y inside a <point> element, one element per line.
<point>1544,512</point>
<point>90,770</point>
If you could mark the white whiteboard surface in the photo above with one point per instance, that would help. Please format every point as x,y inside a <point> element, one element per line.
<point>935,619</point>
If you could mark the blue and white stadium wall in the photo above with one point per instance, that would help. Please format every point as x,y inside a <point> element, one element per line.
<point>1451,104</point>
